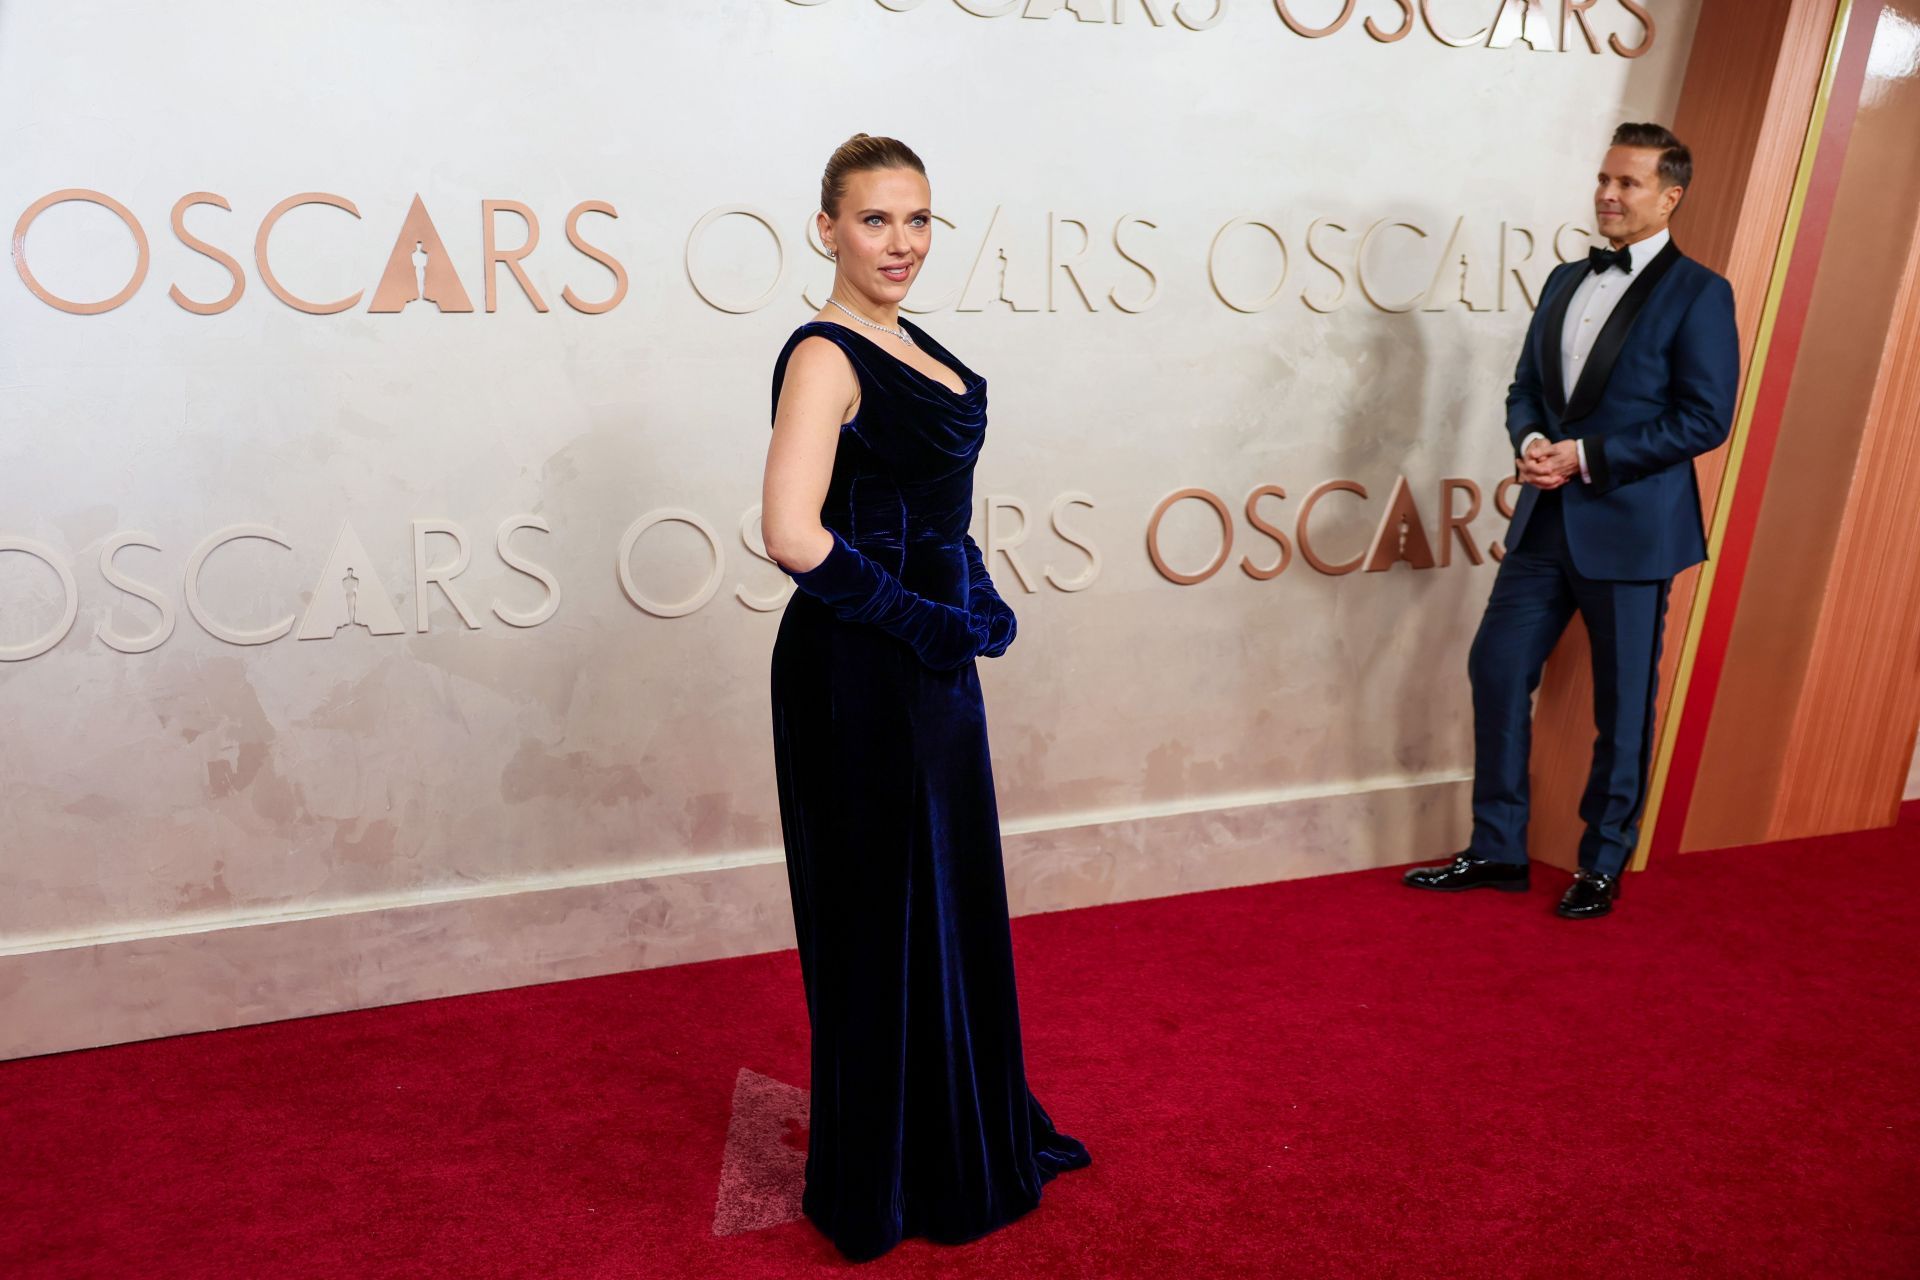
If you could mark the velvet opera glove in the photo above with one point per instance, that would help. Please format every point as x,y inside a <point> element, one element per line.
<point>984,602</point>
<point>859,590</point>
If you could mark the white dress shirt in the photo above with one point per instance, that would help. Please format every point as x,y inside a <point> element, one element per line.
<point>1593,301</point>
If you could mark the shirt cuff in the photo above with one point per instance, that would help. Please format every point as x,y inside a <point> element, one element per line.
<point>1580,447</point>
<point>1530,438</point>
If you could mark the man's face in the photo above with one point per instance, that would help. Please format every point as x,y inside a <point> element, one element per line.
<point>1629,202</point>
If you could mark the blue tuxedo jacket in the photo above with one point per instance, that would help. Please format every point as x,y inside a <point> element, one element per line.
<point>1658,390</point>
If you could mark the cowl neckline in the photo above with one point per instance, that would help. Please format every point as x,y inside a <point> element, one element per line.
<point>972,383</point>
<point>953,422</point>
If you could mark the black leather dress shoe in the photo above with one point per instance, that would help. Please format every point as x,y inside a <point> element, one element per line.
<point>1468,872</point>
<point>1589,896</point>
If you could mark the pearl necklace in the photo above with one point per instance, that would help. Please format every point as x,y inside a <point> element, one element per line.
<point>900,333</point>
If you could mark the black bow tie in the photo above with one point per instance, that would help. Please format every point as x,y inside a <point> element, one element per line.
<point>1603,260</point>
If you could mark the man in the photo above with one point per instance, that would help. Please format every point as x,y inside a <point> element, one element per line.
<point>1629,372</point>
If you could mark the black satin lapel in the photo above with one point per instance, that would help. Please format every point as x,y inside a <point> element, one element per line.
<point>1613,335</point>
<point>1547,355</point>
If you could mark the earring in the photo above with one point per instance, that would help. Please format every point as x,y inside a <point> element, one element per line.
<point>833,255</point>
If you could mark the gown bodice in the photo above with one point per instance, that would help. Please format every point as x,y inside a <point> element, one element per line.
<point>902,486</point>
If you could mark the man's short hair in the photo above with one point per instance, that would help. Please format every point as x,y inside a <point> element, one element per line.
<point>1676,161</point>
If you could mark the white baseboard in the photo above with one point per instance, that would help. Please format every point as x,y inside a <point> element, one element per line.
<point>72,993</point>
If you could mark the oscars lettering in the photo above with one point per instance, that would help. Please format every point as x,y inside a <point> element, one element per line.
<point>1545,26</point>
<point>1037,261</point>
<point>1044,547</point>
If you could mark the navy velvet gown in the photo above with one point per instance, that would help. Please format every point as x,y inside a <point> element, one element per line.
<point>922,1123</point>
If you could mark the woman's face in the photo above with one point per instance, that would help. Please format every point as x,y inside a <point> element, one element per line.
<point>883,233</point>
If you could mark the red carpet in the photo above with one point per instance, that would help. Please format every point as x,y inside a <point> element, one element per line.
<point>1331,1077</point>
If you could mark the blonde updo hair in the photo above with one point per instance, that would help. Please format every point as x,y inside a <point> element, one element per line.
<point>858,154</point>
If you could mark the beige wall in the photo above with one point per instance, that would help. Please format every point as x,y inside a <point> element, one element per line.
<point>208,832</point>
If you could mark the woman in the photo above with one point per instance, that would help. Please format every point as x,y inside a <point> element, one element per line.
<point>922,1123</point>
